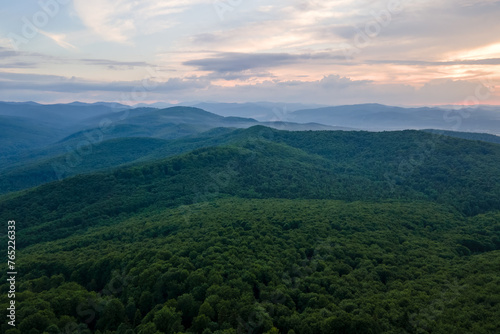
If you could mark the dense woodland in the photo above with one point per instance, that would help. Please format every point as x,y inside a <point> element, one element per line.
<point>266,231</point>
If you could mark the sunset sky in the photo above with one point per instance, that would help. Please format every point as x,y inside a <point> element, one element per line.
<point>327,52</point>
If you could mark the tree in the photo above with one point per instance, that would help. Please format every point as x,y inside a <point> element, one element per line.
<point>112,316</point>
<point>149,328</point>
<point>137,317</point>
<point>189,308</point>
<point>36,321</point>
<point>130,310</point>
<point>146,302</point>
<point>53,329</point>
<point>124,329</point>
<point>200,323</point>
<point>13,331</point>
<point>168,320</point>
<point>207,310</point>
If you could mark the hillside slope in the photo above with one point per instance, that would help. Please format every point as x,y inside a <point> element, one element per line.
<point>267,232</point>
<point>50,132</point>
<point>18,134</point>
<point>269,266</point>
<point>263,163</point>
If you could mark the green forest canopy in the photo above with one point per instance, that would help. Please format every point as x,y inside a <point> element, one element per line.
<point>274,232</point>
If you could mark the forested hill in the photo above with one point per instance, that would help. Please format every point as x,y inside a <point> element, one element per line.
<point>468,135</point>
<point>268,232</point>
<point>47,143</point>
<point>263,163</point>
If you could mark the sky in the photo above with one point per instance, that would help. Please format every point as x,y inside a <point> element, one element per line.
<point>396,52</point>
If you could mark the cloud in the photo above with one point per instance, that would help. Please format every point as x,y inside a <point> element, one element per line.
<point>329,90</point>
<point>27,77</point>
<point>120,20</point>
<point>59,39</point>
<point>241,76</point>
<point>237,62</point>
<point>60,84</point>
<point>18,64</point>
<point>104,18</point>
<point>490,61</point>
<point>8,53</point>
<point>115,65</point>
<point>19,59</point>
<point>338,82</point>
<point>429,52</point>
<point>5,43</point>
<point>22,59</point>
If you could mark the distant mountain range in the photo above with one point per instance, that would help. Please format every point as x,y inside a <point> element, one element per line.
<point>376,117</point>
<point>370,117</point>
<point>43,143</point>
<point>36,137</point>
<point>261,111</point>
<point>36,125</point>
